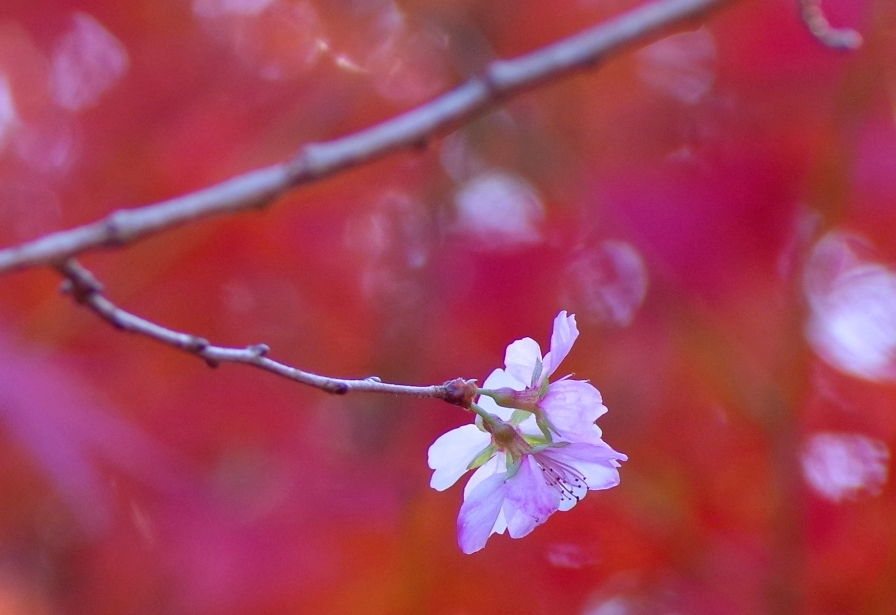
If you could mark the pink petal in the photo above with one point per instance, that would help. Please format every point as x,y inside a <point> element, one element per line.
<point>452,452</point>
<point>495,465</point>
<point>564,335</point>
<point>479,512</point>
<point>572,406</point>
<point>521,358</point>
<point>529,499</point>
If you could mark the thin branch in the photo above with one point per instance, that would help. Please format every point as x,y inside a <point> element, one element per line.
<point>845,39</point>
<point>257,188</point>
<point>84,288</point>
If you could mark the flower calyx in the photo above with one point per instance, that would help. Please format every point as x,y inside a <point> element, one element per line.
<point>524,403</point>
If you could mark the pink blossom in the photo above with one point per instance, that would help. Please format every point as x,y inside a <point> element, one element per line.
<point>526,470</point>
<point>518,485</point>
<point>569,406</point>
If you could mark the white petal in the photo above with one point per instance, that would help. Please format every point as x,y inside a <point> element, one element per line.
<point>452,452</point>
<point>500,523</point>
<point>521,358</point>
<point>562,338</point>
<point>602,477</point>
<point>499,379</point>
<point>529,427</point>
<point>478,514</point>
<point>568,503</point>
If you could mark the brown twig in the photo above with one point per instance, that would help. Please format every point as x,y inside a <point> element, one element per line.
<point>500,80</point>
<point>813,16</point>
<point>84,288</point>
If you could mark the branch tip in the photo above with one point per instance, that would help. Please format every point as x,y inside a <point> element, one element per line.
<point>460,392</point>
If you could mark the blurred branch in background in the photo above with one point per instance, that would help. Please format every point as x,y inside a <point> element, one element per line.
<point>813,16</point>
<point>414,128</point>
<point>87,290</point>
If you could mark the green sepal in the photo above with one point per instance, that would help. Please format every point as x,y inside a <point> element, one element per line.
<point>537,442</point>
<point>479,423</point>
<point>487,453</point>
<point>537,373</point>
<point>545,426</point>
<point>519,416</point>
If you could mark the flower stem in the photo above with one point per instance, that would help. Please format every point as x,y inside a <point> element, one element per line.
<point>487,418</point>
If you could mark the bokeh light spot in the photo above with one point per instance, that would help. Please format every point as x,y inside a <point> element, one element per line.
<point>216,8</point>
<point>500,211</point>
<point>681,66</point>
<point>87,62</point>
<point>569,556</point>
<point>852,325</point>
<point>459,158</point>
<point>843,465</point>
<point>8,114</point>
<point>277,40</point>
<point>617,605</point>
<point>47,147</point>
<point>606,284</point>
<point>392,241</point>
<point>410,67</point>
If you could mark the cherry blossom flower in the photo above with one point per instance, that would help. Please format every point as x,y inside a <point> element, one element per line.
<point>535,448</point>
<point>568,407</point>
<point>519,482</point>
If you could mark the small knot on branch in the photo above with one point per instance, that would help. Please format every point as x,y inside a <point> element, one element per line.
<point>114,226</point>
<point>79,282</point>
<point>196,344</point>
<point>259,350</point>
<point>336,388</point>
<point>307,163</point>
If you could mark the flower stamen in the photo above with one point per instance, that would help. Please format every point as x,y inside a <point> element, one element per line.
<point>569,481</point>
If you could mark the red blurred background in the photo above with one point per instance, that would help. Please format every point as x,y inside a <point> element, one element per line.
<point>717,208</point>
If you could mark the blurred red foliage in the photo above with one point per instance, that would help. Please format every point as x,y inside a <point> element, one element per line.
<point>672,199</point>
